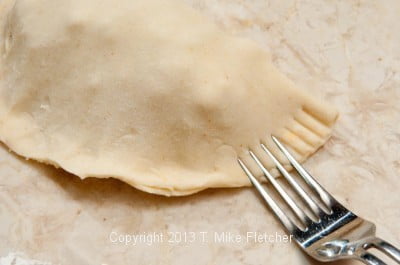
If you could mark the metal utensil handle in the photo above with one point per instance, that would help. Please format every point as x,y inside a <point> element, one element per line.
<point>369,259</point>
<point>380,244</point>
<point>385,247</point>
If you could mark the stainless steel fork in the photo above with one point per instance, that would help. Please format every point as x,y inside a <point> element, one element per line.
<point>329,232</point>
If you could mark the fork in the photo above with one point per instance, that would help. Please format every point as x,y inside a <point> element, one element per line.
<point>328,231</point>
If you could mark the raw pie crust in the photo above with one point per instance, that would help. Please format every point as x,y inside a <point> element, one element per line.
<point>146,91</point>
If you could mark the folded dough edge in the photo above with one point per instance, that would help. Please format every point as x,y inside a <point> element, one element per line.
<point>304,133</point>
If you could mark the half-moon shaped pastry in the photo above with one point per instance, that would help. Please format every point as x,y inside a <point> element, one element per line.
<point>146,91</point>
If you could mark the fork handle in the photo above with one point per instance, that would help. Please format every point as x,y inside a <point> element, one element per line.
<point>370,259</point>
<point>385,247</point>
<point>382,245</point>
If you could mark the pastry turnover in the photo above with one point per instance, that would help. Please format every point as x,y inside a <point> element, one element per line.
<point>146,91</point>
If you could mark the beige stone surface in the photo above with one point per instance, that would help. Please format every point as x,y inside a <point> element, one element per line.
<point>347,52</point>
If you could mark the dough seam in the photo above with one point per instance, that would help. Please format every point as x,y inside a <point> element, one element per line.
<point>306,133</point>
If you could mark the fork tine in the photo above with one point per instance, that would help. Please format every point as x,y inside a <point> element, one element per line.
<point>323,194</point>
<point>285,196</point>
<point>305,197</point>
<point>287,223</point>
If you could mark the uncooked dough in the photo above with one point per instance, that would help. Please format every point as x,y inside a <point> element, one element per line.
<point>146,91</point>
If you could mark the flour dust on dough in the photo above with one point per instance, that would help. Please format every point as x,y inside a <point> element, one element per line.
<point>146,91</point>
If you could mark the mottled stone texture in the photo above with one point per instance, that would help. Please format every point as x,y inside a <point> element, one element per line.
<point>347,52</point>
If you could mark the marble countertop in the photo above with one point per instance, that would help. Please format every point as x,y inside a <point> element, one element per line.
<point>347,52</point>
